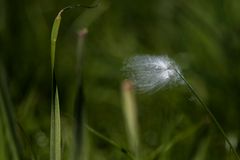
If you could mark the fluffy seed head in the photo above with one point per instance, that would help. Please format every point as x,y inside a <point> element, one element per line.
<point>151,73</point>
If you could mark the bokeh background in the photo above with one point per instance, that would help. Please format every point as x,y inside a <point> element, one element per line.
<point>202,36</point>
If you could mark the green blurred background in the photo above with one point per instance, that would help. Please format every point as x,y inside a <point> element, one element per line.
<point>202,36</point>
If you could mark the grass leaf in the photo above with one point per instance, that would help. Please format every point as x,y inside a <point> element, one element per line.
<point>110,141</point>
<point>55,135</point>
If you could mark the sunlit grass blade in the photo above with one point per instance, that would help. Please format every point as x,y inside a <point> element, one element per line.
<point>111,142</point>
<point>130,114</point>
<point>7,118</point>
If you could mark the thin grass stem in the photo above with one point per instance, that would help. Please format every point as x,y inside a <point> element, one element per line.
<point>205,107</point>
<point>108,140</point>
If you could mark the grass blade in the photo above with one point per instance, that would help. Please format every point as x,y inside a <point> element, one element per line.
<point>111,142</point>
<point>56,129</point>
<point>55,135</point>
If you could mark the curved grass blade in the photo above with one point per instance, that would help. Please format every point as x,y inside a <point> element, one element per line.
<point>55,135</point>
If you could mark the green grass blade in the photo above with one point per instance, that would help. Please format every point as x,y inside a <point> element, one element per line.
<point>111,142</point>
<point>57,125</point>
<point>54,36</point>
<point>55,135</point>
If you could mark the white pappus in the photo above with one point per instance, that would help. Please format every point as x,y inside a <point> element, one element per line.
<point>151,73</point>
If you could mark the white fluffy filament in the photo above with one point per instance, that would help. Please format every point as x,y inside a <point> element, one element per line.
<point>151,73</point>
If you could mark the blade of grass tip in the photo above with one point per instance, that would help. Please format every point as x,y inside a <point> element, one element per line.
<point>205,107</point>
<point>55,129</point>
<point>56,25</point>
<point>130,114</point>
<point>6,112</point>
<point>78,144</point>
<point>108,140</point>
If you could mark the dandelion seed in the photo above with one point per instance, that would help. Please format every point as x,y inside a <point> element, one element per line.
<point>151,73</point>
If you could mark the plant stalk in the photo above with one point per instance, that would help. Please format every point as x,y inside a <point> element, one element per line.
<point>205,107</point>
<point>113,143</point>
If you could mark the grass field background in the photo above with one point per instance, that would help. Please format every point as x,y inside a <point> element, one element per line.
<point>202,36</point>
